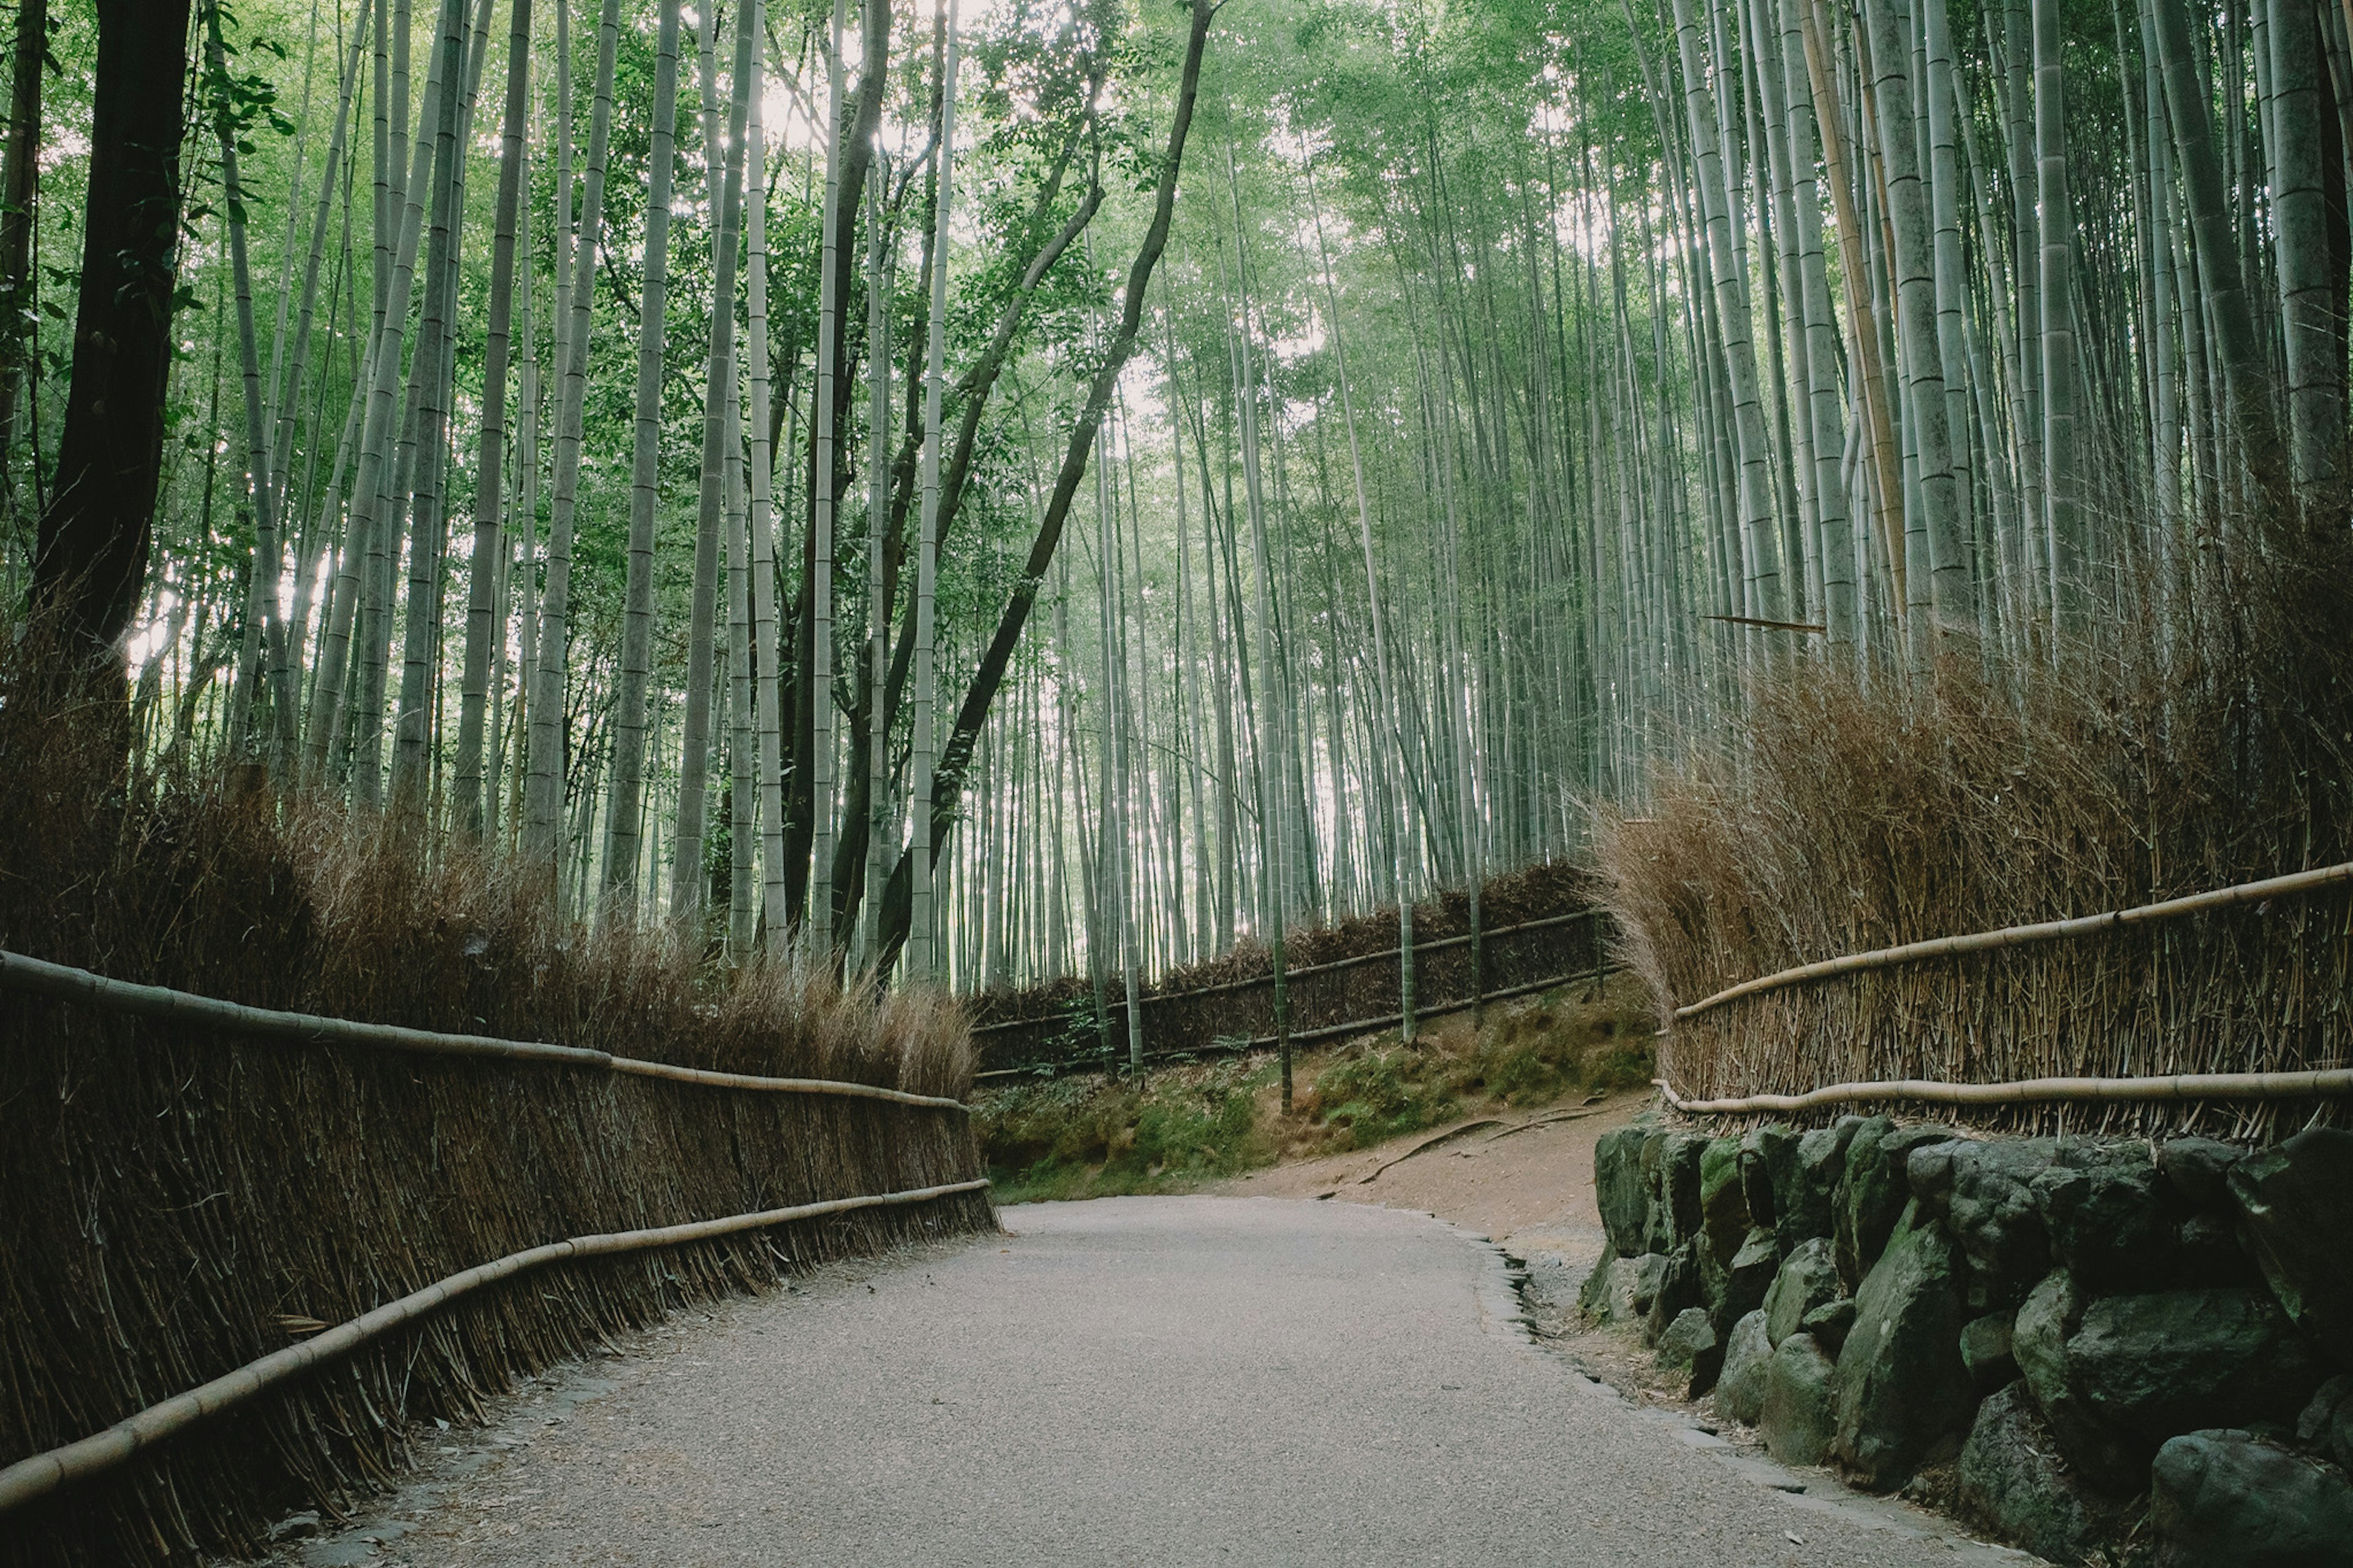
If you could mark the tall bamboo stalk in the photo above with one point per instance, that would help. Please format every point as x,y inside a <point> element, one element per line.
<point>547,764</point>
<point>776,917</point>
<point>623,850</point>
<point>922,760</point>
<point>485,624</point>
<point>686,866</point>
<point>818,677</point>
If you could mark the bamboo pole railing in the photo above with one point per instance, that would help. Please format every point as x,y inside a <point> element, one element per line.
<point>2034,1092</point>
<point>1328,1031</point>
<point>1252,981</point>
<point>2026,935</point>
<point>42,978</point>
<point>41,1474</point>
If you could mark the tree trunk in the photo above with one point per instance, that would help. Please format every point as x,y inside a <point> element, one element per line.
<point>2246,379</point>
<point>2308,274</point>
<point>435,367</point>
<point>371,518</point>
<point>881,820</point>
<point>2061,388</point>
<point>89,560</point>
<point>282,441</point>
<point>1952,594</point>
<point>1835,514</point>
<point>485,621</point>
<point>686,867</point>
<point>262,646</point>
<point>622,849</point>
<point>19,188</point>
<point>816,673</point>
<point>775,916</point>
<point>545,778</point>
<point>923,966</point>
<point>1755,485</point>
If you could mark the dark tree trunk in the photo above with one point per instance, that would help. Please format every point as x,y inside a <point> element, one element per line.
<point>91,558</point>
<point>16,190</point>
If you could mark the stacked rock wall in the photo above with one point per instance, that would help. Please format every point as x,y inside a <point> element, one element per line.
<point>2111,1337</point>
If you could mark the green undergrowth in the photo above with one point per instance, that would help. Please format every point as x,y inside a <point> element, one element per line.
<point>1087,1136</point>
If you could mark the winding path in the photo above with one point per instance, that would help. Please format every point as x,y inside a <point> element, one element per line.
<point>1140,1381</point>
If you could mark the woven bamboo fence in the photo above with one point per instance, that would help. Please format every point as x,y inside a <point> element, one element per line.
<point>2244,981</point>
<point>270,1192</point>
<point>1540,925</point>
<point>186,1189</point>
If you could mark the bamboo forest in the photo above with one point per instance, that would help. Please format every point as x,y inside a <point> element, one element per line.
<point>994,488</point>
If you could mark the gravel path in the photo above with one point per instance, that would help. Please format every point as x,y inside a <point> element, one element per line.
<point>1136,1381</point>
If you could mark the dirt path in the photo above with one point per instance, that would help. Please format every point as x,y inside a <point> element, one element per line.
<point>1131,1381</point>
<point>1524,1178</point>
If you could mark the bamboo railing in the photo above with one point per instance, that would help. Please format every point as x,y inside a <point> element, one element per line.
<point>1300,972</point>
<point>2026,935</point>
<point>2034,1092</point>
<point>1322,1032</point>
<point>41,978</point>
<point>41,1474</point>
<point>2163,1088</point>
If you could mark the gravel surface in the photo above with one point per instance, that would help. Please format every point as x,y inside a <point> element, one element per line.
<point>1134,1381</point>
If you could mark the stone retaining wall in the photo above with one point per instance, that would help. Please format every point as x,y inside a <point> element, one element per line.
<point>2117,1342</point>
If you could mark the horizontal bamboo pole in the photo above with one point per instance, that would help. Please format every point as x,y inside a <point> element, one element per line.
<point>1354,1026</point>
<point>1768,625</point>
<point>43,978</point>
<point>2036,1091</point>
<point>1444,1008</point>
<point>2026,935</point>
<point>1249,982</point>
<point>42,1474</point>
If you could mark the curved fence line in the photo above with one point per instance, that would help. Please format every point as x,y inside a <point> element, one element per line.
<point>43,978</point>
<point>41,1474</point>
<point>1299,971</point>
<point>1302,1037</point>
<point>2035,1091</point>
<point>2026,935</point>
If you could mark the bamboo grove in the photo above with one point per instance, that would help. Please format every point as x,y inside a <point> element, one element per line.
<point>1087,484</point>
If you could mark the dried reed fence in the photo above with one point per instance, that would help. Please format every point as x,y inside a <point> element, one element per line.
<point>2224,992</point>
<point>2173,1086</point>
<point>1538,924</point>
<point>182,1198</point>
<point>1866,810</point>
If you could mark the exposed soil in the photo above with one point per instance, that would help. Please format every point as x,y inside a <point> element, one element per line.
<point>1522,1177</point>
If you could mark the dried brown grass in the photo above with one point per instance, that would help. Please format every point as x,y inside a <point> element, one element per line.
<point>173,1199</point>
<point>1858,809</point>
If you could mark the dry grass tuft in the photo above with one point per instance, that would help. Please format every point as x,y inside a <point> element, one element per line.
<point>1861,809</point>
<point>174,1198</point>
